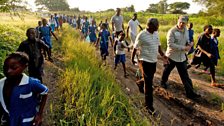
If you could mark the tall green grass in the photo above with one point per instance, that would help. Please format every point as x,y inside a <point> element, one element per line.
<point>89,94</point>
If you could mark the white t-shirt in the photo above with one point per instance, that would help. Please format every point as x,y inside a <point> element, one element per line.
<point>133,25</point>
<point>52,21</point>
<point>121,45</point>
<point>148,45</point>
<point>118,21</point>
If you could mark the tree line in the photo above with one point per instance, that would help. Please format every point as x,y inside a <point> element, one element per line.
<point>214,7</point>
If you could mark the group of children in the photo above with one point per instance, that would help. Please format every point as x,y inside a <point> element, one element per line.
<point>23,97</point>
<point>206,51</point>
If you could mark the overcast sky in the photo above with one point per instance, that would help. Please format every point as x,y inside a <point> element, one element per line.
<point>95,5</point>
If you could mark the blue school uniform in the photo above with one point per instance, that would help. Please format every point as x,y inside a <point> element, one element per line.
<point>46,35</point>
<point>85,28</point>
<point>191,38</point>
<point>92,35</point>
<point>23,100</point>
<point>57,21</point>
<point>215,50</point>
<point>104,35</point>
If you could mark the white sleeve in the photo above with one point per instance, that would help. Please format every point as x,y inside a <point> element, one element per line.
<point>137,41</point>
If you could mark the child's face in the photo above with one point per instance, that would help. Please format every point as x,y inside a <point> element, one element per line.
<point>40,23</point>
<point>209,30</point>
<point>217,34</point>
<point>13,68</point>
<point>122,37</point>
<point>44,22</point>
<point>31,34</point>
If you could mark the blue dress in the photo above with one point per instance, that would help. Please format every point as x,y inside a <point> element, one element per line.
<point>215,50</point>
<point>92,35</point>
<point>23,101</point>
<point>46,35</point>
<point>104,35</point>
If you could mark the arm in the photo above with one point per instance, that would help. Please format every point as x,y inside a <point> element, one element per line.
<point>111,41</point>
<point>127,31</point>
<point>123,27</point>
<point>39,115</point>
<point>112,23</point>
<point>140,27</point>
<point>165,58</point>
<point>54,35</point>
<point>205,52</point>
<point>115,44</point>
<point>133,55</point>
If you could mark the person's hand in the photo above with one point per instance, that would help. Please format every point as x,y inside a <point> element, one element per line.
<point>37,119</point>
<point>187,48</point>
<point>209,55</point>
<point>165,60</point>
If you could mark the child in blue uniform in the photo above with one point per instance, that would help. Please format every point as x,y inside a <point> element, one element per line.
<point>92,32</point>
<point>103,38</point>
<point>46,33</point>
<point>20,93</point>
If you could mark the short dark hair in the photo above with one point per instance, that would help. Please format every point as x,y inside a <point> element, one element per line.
<point>216,30</point>
<point>207,26</point>
<point>122,34</point>
<point>28,30</point>
<point>20,56</point>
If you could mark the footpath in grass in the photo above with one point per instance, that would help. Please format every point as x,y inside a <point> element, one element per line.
<point>87,93</point>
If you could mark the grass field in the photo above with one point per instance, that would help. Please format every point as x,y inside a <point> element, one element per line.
<point>84,96</point>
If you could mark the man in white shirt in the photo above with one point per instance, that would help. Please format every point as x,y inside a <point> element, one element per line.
<point>117,22</point>
<point>148,43</point>
<point>133,25</point>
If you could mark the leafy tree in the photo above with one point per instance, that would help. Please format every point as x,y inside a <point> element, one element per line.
<point>11,5</point>
<point>162,6</point>
<point>53,5</point>
<point>153,8</point>
<point>215,7</point>
<point>178,7</point>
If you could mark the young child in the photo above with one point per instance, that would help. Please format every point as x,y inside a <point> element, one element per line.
<point>20,93</point>
<point>46,33</point>
<point>57,21</point>
<point>32,47</point>
<point>38,29</point>
<point>52,23</point>
<point>119,52</point>
<point>103,38</point>
<point>191,37</point>
<point>92,32</point>
<point>214,44</point>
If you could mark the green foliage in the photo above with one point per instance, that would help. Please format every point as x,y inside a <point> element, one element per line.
<point>89,93</point>
<point>178,7</point>
<point>53,5</point>
<point>215,7</point>
<point>10,5</point>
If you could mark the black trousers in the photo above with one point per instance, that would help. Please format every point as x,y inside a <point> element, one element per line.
<point>148,71</point>
<point>182,70</point>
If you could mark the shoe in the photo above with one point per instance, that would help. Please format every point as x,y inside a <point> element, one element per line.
<point>164,85</point>
<point>193,96</point>
<point>50,59</point>
<point>188,66</point>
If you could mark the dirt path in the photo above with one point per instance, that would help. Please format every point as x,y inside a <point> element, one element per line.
<point>175,109</point>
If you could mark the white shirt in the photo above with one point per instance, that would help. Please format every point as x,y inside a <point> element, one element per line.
<point>121,45</point>
<point>118,21</point>
<point>52,21</point>
<point>133,25</point>
<point>148,45</point>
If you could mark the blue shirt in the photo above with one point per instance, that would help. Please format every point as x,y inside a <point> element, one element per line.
<point>23,100</point>
<point>104,37</point>
<point>45,32</point>
<point>191,34</point>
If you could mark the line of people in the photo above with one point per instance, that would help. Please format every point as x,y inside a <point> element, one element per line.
<point>146,45</point>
